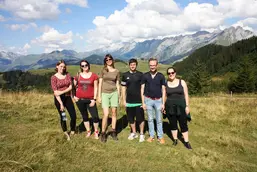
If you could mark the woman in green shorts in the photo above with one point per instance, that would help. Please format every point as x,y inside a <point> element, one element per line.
<point>108,95</point>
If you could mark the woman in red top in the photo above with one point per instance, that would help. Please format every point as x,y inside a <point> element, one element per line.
<point>85,98</point>
<point>61,84</point>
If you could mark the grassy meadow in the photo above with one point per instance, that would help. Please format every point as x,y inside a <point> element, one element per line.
<point>223,134</point>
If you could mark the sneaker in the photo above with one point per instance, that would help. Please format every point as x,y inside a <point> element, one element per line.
<point>161,141</point>
<point>114,135</point>
<point>132,136</point>
<point>96,135</point>
<point>175,142</point>
<point>103,137</point>
<point>187,145</point>
<point>150,139</point>
<point>88,134</point>
<point>141,138</point>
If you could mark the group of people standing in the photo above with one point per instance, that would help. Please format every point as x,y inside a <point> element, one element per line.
<point>139,92</point>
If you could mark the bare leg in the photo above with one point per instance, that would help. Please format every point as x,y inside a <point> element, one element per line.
<point>105,119</point>
<point>114,117</point>
<point>141,126</point>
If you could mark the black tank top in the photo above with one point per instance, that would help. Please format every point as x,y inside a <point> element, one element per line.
<point>176,92</point>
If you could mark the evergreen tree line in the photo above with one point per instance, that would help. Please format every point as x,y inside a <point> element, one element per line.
<point>25,81</point>
<point>239,60</point>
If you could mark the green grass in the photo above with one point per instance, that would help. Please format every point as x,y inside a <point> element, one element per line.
<point>223,134</point>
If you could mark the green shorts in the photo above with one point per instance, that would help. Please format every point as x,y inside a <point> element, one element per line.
<point>110,99</point>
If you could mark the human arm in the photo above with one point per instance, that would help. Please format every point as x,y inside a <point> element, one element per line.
<point>75,82</point>
<point>185,88</point>
<point>142,96</point>
<point>54,88</point>
<point>100,90</point>
<point>95,94</point>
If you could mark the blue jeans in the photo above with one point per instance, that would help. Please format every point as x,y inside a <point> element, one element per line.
<point>151,106</point>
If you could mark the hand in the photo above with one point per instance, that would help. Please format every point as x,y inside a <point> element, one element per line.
<point>187,110</point>
<point>58,93</point>
<point>76,98</point>
<point>61,107</point>
<point>99,100</point>
<point>164,112</point>
<point>144,106</point>
<point>92,103</point>
<point>124,103</point>
<point>163,107</point>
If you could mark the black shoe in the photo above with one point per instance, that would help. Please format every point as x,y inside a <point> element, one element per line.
<point>188,146</point>
<point>175,142</point>
<point>103,137</point>
<point>114,135</point>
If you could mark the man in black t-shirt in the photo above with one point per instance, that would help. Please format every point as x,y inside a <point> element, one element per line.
<point>131,85</point>
<point>152,95</point>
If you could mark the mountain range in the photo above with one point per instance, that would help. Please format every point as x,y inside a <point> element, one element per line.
<point>166,50</point>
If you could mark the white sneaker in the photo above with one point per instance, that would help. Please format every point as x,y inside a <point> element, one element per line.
<point>141,138</point>
<point>132,136</point>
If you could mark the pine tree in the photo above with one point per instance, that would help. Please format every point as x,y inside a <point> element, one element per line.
<point>245,80</point>
<point>199,79</point>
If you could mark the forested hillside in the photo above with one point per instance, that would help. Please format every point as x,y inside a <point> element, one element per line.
<point>238,61</point>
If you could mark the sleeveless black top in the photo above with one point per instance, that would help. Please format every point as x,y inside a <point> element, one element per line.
<point>175,103</point>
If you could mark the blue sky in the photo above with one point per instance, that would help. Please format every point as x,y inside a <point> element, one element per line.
<point>31,26</point>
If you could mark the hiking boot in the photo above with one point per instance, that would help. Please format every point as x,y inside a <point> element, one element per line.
<point>141,138</point>
<point>103,137</point>
<point>132,136</point>
<point>114,135</point>
<point>150,139</point>
<point>161,141</point>
<point>187,145</point>
<point>88,134</point>
<point>175,142</point>
<point>96,135</point>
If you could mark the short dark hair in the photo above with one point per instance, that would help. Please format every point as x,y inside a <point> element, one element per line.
<point>133,61</point>
<point>87,64</point>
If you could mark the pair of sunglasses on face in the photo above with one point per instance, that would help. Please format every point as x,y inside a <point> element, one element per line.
<point>108,60</point>
<point>86,65</point>
<point>171,73</point>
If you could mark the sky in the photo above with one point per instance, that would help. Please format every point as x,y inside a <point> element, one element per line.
<point>33,26</point>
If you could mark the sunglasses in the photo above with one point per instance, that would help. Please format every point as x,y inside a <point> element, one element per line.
<point>108,60</point>
<point>86,65</point>
<point>171,73</point>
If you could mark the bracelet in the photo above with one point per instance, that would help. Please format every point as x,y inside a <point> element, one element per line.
<point>186,105</point>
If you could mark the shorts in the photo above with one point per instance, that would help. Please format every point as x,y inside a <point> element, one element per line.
<point>137,112</point>
<point>110,99</point>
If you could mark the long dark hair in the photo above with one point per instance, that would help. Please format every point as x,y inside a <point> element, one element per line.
<point>58,63</point>
<point>105,64</point>
<point>87,64</point>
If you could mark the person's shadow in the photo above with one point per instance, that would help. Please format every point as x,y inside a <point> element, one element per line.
<point>121,124</point>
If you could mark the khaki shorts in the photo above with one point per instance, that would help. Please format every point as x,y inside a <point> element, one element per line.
<point>110,99</point>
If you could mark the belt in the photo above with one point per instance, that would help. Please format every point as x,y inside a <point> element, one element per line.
<point>153,98</point>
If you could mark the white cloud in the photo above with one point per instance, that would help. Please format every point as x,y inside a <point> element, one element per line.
<point>43,9</point>
<point>18,50</point>
<point>2,19</point>
<point>248,24</point>
<point>148,19</point>
<point>238,8</point>
<point>22,27</point>
<point>53,40</point>
<point>68,11</point>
